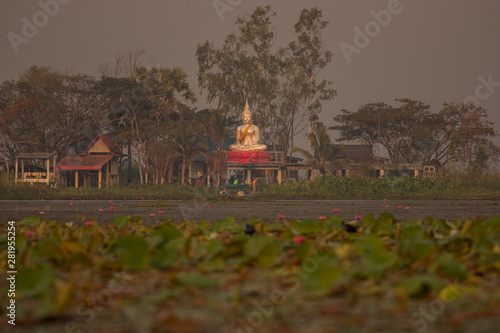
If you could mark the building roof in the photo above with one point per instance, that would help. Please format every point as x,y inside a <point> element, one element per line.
<point>293,159</point>
<point>87,162</point>
<point>113,148</point>
<point>33,168</point>
<point>35,155</point>
<point>355,151</point>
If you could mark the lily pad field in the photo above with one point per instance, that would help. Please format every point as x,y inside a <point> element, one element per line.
<point>353,266</point>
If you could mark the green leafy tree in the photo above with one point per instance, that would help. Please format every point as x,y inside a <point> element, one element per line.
<point>473,135</point>
<point>411,133</point>
<point>118,80</point>
<point>276,81</point>
<point>312,56</point>
<point>188,146</point>
<point>48,110</point>
<point>393,127</point>
<point>362,125</point>
<point>151,113</point>
<point>244,68</point>
<point>216,126</point>
<point>325,152</point>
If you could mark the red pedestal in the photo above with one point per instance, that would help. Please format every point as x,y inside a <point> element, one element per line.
<point>246,157</point>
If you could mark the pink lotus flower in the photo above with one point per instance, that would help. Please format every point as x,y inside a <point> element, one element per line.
<point>161,212</point>
<point>407,208</point>
<point>36,209</point>
<point>357,218</point>
<point>386,206</point>
<point>299,239</point>
<point>319,200</point>
<point>41,199</point>
<point>41,213</point>
<point>29,234</point>
<point>89,223</point>
<point>109,201</point>
<point>474,200</point>
<point>383,205</point>
<point>399,207</point>
<point>71,204</point>
<point>281,216</point>
<point>335,210</point>
<point>322,218</point>
<point>114,204</point>
<point>152,215</point>
<point>209,206</point>
<point>101,210</point>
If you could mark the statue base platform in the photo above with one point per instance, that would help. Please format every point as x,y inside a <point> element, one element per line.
<point>246,157</point>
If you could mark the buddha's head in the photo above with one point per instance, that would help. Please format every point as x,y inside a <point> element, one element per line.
<point>247,115</point>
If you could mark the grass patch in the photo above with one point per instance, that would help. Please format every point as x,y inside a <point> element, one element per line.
<point>360,188</point>
<point>22,191</point>
<point>452,186</point>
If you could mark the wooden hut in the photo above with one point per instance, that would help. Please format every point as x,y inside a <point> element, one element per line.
<point>358,155</point>
<point>98,163</point>
<point>26,169</point>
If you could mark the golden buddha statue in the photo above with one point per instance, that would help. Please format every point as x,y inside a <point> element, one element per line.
<point>247,135</point>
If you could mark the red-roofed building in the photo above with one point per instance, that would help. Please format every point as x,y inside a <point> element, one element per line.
<point>97,163</point>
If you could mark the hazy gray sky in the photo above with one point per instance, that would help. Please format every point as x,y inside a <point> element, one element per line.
<point>433,51</point>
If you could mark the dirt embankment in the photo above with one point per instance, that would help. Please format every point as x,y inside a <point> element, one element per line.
<point>65,210</point>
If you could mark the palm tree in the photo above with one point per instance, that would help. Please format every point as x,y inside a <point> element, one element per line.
<point>324,150</point>
<point>165,91</point>
<point>188,146</point>
<point>216,128</point>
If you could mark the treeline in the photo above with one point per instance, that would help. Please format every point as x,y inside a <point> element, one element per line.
<point>411,133</point>
<point>151,110</point>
